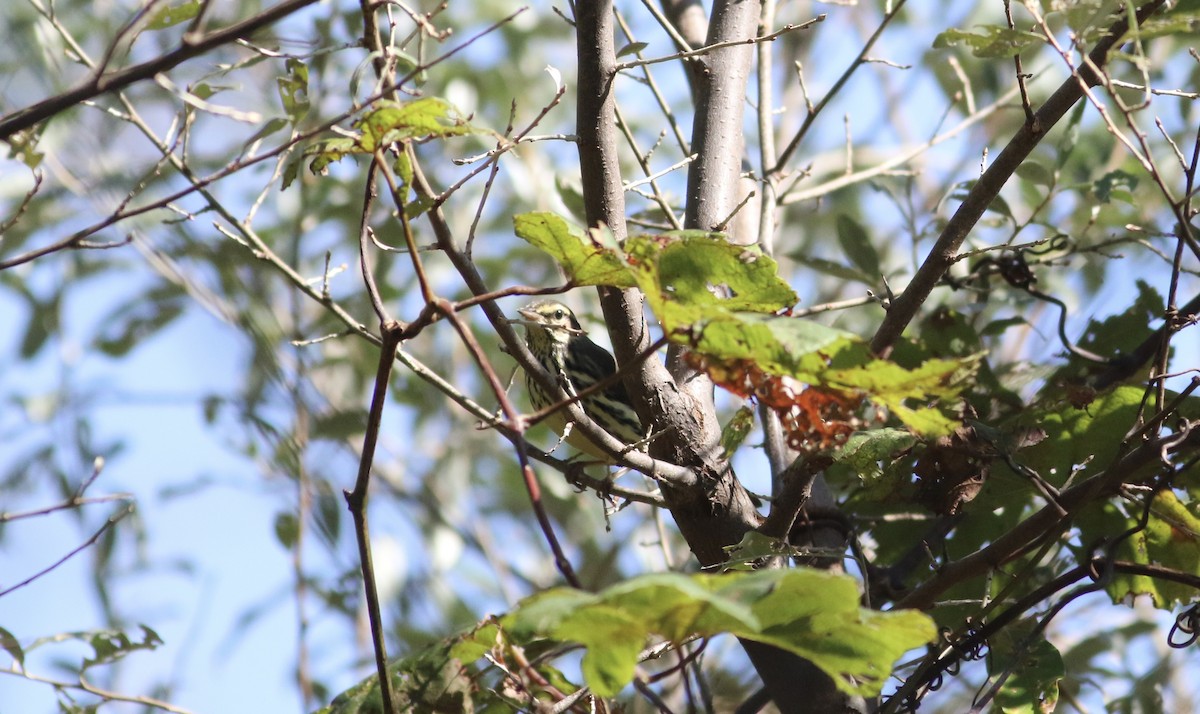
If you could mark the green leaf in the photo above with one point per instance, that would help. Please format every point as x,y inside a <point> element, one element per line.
<point>736,431</point>
<point>205,90</point>
<point>865,449</point>
<point>112,645</point>
<point>998,204</point>
<point>1173,23</point>
<point>826,357</point>
<point>1115,185</point>
<point>837,270</point>
<point>290,171</point>
<point>929,422</point>
<point>340,425</point>
<point>287,529</point>
<point>384,123</point>
<point>171,15</point>
<point>570,190</point>
<point>1124,331</point>
<point>989,41</point>
<point>815,614</point>
<point>406,63</point>
<point>995,328</point>
<point>1170,540</point>
<point>404,171</point>
<point>135,322</point>
<point>777,344</point>
<point>44,319</point>
<point>1033,665</point>
<point>12,646</point>
<point>270,127</point>
<point>433,680</point>
<point>891,385</point>
<point>582,256</point>
<point>1086,437</point>
<point>753,547</point>
<point>689,275</point>
<point>328,515</point>
<point>1037,173</point>
<point>857,245</point>
<point>414,209</point>
<point>811,613</point>
<point>632,48</point>
<point>1069,138</point>
<point>329,151</point>
<point>613,637</point>
<point>387,122</point>
<point>1173,540</point>
<point>22,146</point>
<point>293,90</point>
<point>723,300</point>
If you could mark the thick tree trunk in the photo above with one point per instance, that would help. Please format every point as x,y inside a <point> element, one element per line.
<point>677,400</point>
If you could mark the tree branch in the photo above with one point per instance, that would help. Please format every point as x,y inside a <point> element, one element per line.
<point>945,251</point>
<point>101,83</point>
<point>1028,531</point>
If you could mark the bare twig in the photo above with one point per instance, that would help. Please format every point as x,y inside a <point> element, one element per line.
<point>892,164</point>
<point>356,500</point>
<point>107,695</point>
<point>24,205</point>
<point>109,523</point>
<point>904,308</point>
<point>1021,76</point>
<point>708,49</point>
<point>68,243</point>
<point>790,149</point>
<point>188,48</point>
<point>198,184</point>
<point>663,105</point>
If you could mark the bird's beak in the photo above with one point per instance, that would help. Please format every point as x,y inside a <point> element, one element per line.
<point>529,315</point>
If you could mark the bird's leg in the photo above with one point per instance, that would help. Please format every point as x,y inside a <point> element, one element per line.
<point>603,488</point>
<point>575,473</point>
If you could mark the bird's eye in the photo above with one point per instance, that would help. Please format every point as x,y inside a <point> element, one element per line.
<point>559,314</point>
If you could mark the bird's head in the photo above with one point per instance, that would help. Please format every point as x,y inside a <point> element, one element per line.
<point>548,321</point>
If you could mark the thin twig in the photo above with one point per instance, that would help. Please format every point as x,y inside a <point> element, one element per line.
<point>364,236</point>
<point>1021,76</point>
<point>560,557</point>
<point>790,149</point>
<point>356,501</point>
<point>701,51</point>
<point>188,48</point>
<point>651,84</point>
<point>842,181</point>
<point>109,523</point>
<point>904,308</point>
<point>104,694</point>
<point>199,184</point>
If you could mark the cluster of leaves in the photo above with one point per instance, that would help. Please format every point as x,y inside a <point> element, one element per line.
<point>381,126</point>
<point>811,613</point>
<point>727,303</point>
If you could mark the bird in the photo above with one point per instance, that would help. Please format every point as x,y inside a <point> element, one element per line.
<point>558,342</point>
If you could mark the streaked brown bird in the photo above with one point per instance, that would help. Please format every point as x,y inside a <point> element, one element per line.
<point>561,345</point>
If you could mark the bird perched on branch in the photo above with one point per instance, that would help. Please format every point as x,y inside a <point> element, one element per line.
<point>563,348</point>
